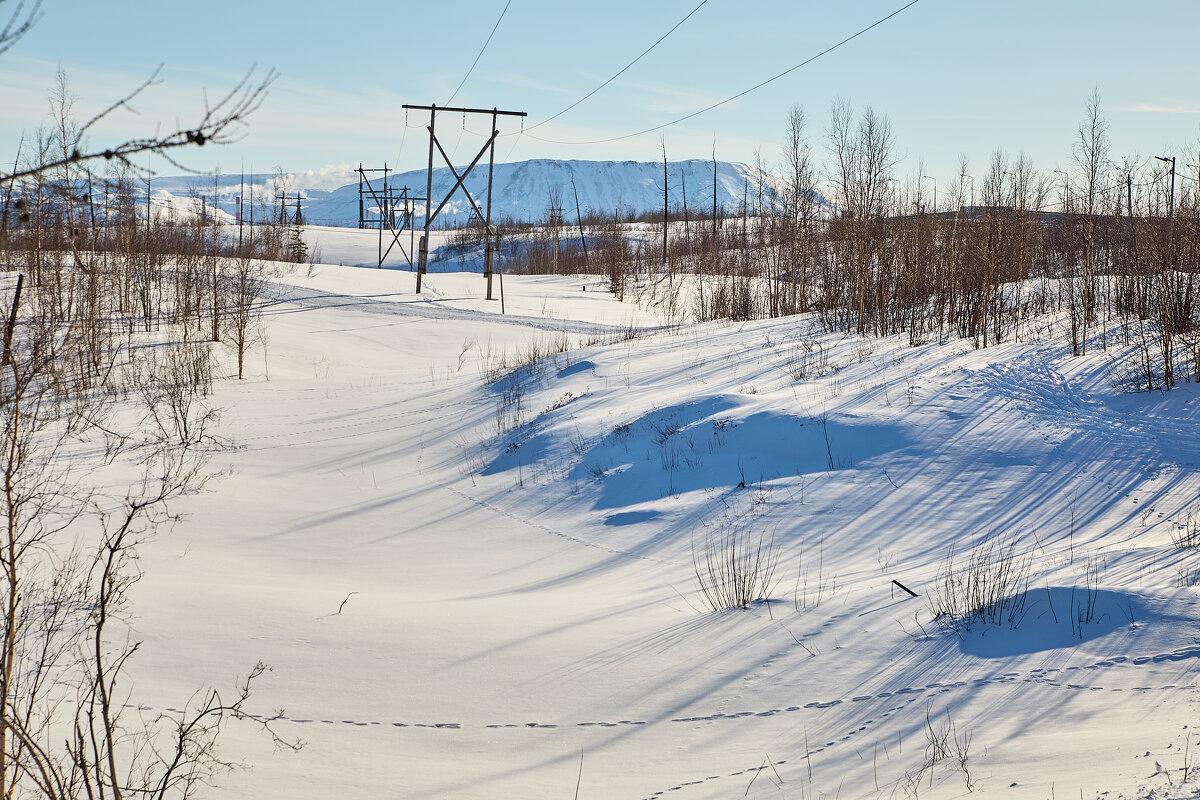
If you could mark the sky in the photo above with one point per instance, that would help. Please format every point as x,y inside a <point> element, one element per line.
<point>953,78</point>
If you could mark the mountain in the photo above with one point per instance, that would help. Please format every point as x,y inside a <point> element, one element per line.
<point>521,191</point>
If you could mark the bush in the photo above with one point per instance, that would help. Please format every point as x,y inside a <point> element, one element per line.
<point>734,566</point>
<point>990,587</point>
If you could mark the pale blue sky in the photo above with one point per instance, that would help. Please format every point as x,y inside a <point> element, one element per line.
<point>953,77</point>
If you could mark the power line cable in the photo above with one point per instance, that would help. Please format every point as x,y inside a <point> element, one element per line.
<point>623,69</point>
<point>480,55</point>
<point>516,141</point>
<point>741,94</point>
<point>403,136</point>
<point>616,75</point>
<point>457,142</point>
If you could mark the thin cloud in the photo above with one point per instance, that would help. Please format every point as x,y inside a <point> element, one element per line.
<point>525,82</point>
<point>670,99</point>
<point>1154,108</point>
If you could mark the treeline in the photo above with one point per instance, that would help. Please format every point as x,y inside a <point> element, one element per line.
<point>98,260</point>
<point>1113,250</point>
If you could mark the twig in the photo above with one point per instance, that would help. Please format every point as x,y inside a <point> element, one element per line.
<point>579,780</point>
<point>343,605</point>
<point>213,127</point>
<point>772,763</point>
<point>757,772</point>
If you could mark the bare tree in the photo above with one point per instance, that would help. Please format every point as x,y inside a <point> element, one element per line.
<point>68,547</point>
<point>67,563</point>
<point>864,156</point>
<point>800,200</point>
<point>1090,154</point>
<point>666,187</point>
<point>245,282</point>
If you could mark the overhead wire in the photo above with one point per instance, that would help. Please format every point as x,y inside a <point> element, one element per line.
<point>458,141</point>
<point>403,136</point>
<point>587,96</point>
<point>1101,190</point>
<point>741,94</point>
<point>516,141</point>
<point>623,69</point>
<point>483,135</point>
<point>480,54</point>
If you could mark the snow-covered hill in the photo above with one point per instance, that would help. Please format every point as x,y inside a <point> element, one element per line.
<point>522,191</point>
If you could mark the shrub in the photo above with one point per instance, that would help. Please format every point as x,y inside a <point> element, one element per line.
<point>990,587</point>
<point>734,565</point>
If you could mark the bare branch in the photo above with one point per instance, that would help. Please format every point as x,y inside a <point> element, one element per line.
<point>219,124</point>
<point>18,24</point>
<point>124,101</point>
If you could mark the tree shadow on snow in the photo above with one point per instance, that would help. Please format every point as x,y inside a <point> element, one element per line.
<point>1055,617</point>
<point>705,444</point>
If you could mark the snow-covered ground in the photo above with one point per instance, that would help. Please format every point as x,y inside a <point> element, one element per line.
<point>480,589</point>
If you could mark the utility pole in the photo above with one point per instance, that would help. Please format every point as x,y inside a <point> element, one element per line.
<point>382,215</point>
<point>284,217</point>
<point>423,252</point>
<point>1170,208</point>
<point>687,231</point>
<point>489,148</point>
<point>1129,203</point>
<point>716,245</point>
<point>487,222</point>
<point>241,192</point>
<point>1066,191</point>
<point>579,221</point>
<point>666,209</point>
<point>386,200</point>
<point>556,221</point>
<point>252,205</point>
<point>1196,196</point>
<point>1129,194</point>
<point>148,215</point>
<point>1171,196</point>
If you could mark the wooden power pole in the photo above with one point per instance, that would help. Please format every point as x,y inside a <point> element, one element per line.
<point>489,148</point>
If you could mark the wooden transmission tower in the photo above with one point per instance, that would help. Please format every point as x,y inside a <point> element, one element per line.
<point>489,147</point>
<point>555,219</point>
<point>395,207</point>
<point>286,202</point>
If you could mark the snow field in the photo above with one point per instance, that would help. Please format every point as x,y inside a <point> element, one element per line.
<point>465,587</point>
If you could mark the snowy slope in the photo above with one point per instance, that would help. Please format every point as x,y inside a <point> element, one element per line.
<point>521,191</point>
<point>485,589</point>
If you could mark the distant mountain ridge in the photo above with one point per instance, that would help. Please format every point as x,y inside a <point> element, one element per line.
<point>522,191</point>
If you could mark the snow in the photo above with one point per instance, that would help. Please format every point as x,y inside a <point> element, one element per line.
<point>463,596</point>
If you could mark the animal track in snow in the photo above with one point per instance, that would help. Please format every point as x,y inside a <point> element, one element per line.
<point>906,696</point>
